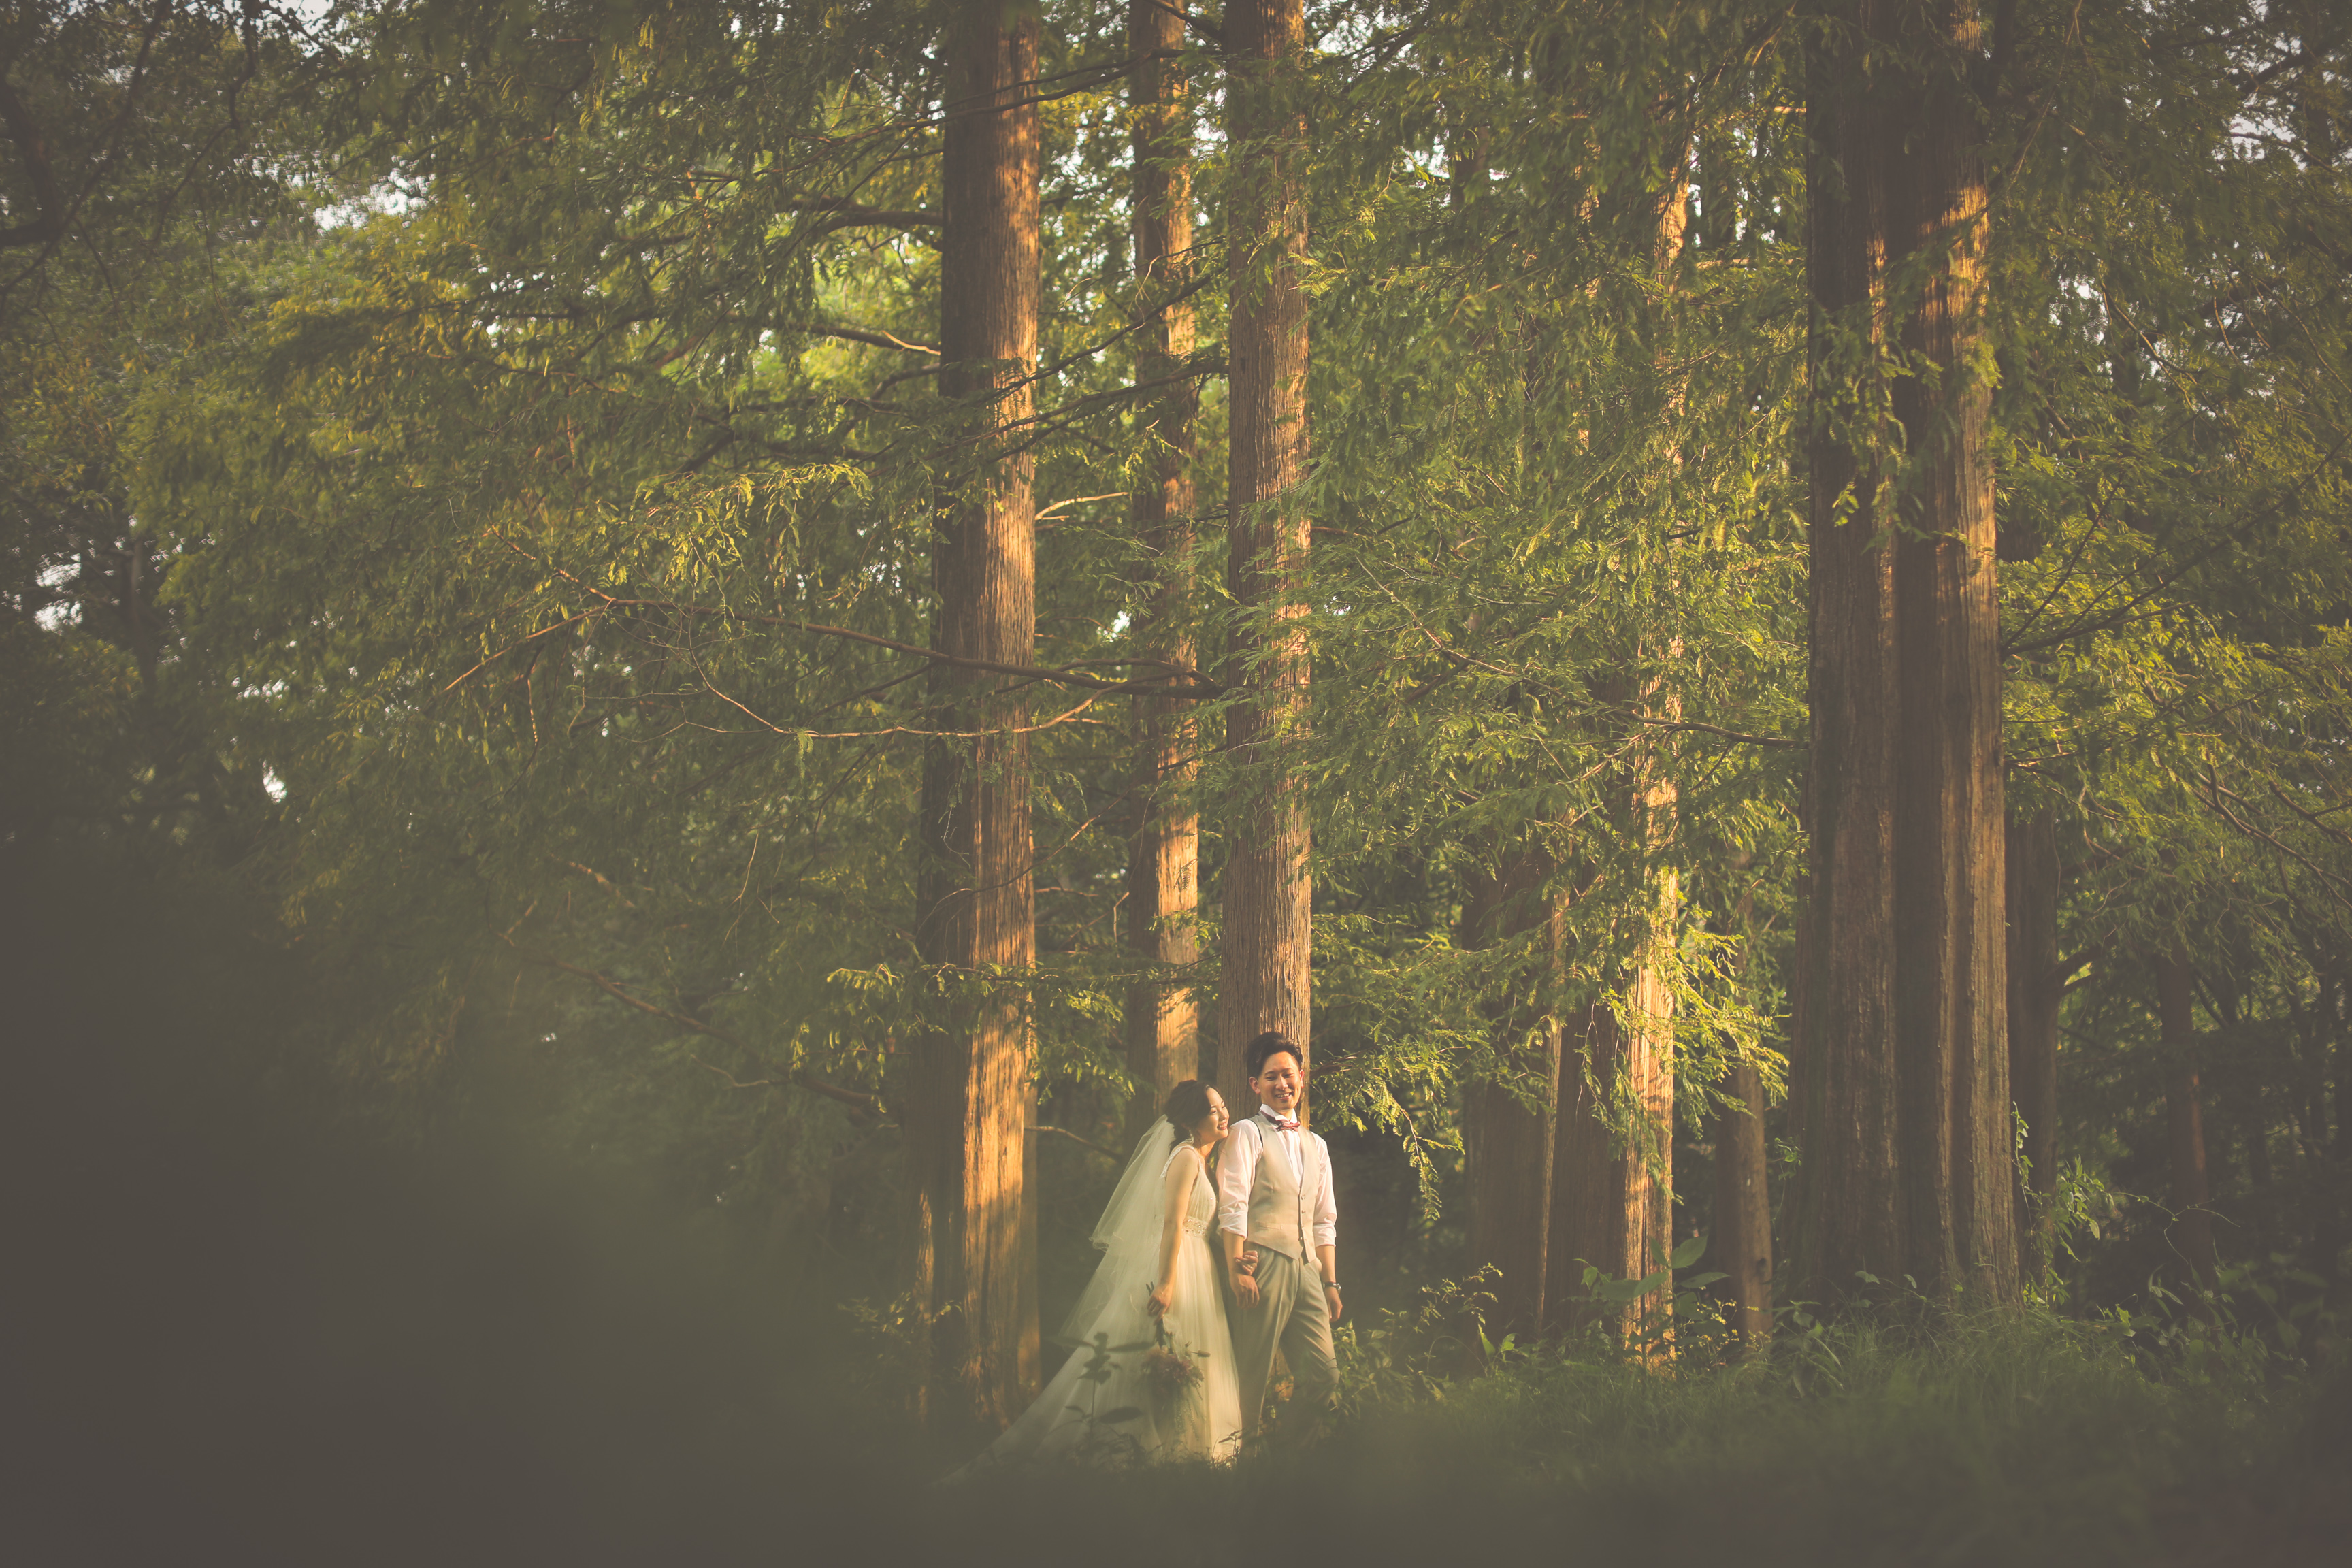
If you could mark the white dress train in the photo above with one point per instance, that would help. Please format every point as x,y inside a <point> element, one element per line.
<point>1104,1407</point>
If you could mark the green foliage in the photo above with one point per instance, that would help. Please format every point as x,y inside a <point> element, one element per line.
<point>473,469</point>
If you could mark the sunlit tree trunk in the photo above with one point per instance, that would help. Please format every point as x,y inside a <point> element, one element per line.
<point>1163,865</point>
<point>1612,1176</point>
<point>2035,990</point>
<point>969,1099</point>
<point>1508,1135</point>
<point>1267,894</point>
<point>1612,1166</point>
<point>1906,1162</point>
<point>2192,1228</point>
<point>1741,1245</point>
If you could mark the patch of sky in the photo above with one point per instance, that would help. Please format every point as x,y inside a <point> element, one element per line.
<point>66,612</point>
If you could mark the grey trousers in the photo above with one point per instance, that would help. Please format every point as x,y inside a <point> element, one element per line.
<point>1291,1314</point>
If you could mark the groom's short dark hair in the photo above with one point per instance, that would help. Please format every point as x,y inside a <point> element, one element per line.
<point>1273,1043</point>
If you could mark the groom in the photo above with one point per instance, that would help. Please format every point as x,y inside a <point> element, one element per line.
<point>1280,1226</point>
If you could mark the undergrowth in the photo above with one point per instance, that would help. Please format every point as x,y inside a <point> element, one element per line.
<point>1908,1434</point>
<point>1905,1435</point>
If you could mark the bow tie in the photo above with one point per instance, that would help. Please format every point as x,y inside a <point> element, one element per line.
<point>1282,1124</point>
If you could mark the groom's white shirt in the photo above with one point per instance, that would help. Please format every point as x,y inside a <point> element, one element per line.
<point>1238,1174</point>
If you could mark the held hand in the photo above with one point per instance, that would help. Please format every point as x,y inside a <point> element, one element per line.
<point>1162,1297</point>
<point>1246,1289</point>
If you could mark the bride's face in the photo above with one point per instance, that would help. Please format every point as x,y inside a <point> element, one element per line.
<point>1211,1128</point>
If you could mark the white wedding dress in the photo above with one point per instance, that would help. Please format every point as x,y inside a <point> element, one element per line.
<point>1104,1407</point>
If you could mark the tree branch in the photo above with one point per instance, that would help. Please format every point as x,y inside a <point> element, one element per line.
<point>2334,883</point>
<point>865,1106</point>
<point>1078,1138</point>
<point>851,214</point>
<point>59,223</point>
<point>1739,735</point>
<point>2164,580</point>
<point>1208,30</point>
<point>873,339</point>
<point>1195,684</point>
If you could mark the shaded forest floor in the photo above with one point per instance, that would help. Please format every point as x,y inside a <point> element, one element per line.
<point>240,1330</point>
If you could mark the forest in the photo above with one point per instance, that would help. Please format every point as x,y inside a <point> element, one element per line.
<point>663,663</point>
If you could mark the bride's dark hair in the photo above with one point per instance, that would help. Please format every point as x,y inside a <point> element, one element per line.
<point>1186,1103</point>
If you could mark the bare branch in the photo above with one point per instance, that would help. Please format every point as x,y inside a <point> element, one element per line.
<point>847,214</point>
<point>875,339</point>
<point>1739,735</point>
<point>865,1105</point>
<point>1079,1139</point>
<point>2333,883</point>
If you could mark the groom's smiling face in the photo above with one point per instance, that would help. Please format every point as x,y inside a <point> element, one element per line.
<point>1278,1082</point>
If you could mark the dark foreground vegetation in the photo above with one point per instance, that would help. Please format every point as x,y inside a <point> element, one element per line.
<point>242,1330</point>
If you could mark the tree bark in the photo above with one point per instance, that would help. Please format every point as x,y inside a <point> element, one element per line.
<point>2192,1225</point>
<point>2335,997</point>
<point>1611,1205</point>
<point>1613,1186</point>
<point>2035,990</point>
<point>1613,1193</point>
<point>1162,1022</point>
<point>1743,1205</point>
<point>1743,1208</point>
<point>1906,1164</point>
<point>2325,1139</point>
<point>968,1104</point>
<point>1268,901</point>
<point>1508,1141</point>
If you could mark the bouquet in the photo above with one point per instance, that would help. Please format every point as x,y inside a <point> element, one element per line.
<point>1172,1372</point>
<point>1171,1369</point>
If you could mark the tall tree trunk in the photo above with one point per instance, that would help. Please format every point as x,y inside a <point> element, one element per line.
<point>1163,866</point>
<point>2228,1000</point>
<point>2335,997</point>
<point>2326,1139</point>
<point>1610,1206</point>
<point>1507,1140</point>
<point>1268,892</point>
<point>969,1103</point>
<point>1612,1188</point>
<point>2192,1229</point>
<point>1906,1164</point>
<point>2035,990</point>
<point>1743,1207</point>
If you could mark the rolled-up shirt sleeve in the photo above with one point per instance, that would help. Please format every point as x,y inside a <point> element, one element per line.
<point>1236,1173</point>
<point>1326,1207</point>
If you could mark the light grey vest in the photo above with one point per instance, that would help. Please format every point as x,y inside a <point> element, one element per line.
<point>1282,1210</point>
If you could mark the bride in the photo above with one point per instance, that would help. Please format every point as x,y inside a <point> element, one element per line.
<point>1153,1379</point>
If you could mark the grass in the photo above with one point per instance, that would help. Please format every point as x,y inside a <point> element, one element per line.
<point>2009,1438</point>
